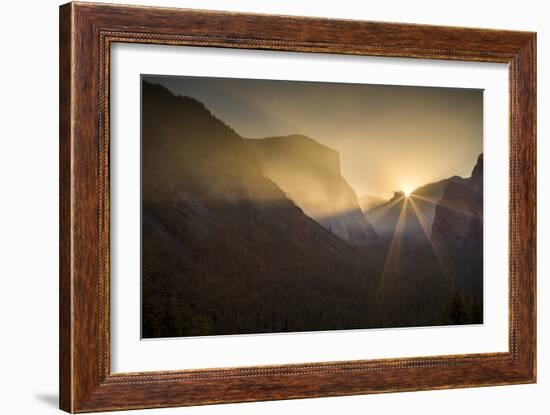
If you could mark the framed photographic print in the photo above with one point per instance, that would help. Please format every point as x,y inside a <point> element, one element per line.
<point>260,207</point>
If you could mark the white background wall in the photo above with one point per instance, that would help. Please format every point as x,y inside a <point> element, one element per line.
<point>29,207</point>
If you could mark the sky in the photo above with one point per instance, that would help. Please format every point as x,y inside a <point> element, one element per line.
<point>390,138</point>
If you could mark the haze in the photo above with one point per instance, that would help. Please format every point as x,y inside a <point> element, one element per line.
<point>389,137</point>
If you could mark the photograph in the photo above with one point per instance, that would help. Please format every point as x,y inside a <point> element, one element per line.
<point>277,206</point>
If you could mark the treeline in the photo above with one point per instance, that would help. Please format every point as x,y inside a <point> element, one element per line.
<point>249,282</point>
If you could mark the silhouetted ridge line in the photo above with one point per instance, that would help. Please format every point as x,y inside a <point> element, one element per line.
<point>186,101</point>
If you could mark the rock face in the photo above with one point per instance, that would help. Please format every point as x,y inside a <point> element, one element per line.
<point>458,221</point>
<point>309,173</point>
<point>384,216</point>
<point>457,231</point>
<point>426,197</point>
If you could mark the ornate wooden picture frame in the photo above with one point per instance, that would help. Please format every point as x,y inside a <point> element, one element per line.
<point>87,32</point>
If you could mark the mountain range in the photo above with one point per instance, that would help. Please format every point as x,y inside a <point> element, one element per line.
<point>266,235</point>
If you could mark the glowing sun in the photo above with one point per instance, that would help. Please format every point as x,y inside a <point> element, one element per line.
<point>407,191</point>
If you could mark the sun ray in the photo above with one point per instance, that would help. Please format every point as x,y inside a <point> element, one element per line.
<point>424,224</point>
<point>407,190</point>
<point>381,211</point>
<point>442,203</point>
<point>392,257</point>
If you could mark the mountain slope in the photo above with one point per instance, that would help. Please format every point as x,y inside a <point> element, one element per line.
<point>222,246</point>
<point>458,218</point>
<point>457,231</point>
<point>439,274</point>
<point>310,175</point>
<point>369,202</point>
<point>427,196</point>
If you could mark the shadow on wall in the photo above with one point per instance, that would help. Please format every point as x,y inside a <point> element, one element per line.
<point>49,399</point>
